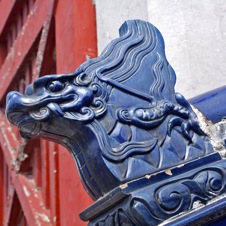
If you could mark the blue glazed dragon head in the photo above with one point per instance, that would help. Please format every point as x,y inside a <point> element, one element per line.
<point>118,114</point>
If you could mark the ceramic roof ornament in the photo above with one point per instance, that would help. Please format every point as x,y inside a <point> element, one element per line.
<point>135,140</point>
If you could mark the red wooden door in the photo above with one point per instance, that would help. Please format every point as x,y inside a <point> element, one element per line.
<point>39,184</point>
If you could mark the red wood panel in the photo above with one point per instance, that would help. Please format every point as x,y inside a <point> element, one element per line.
<point>43,189</point>
<point>45,173</point>
<point>1,185</point>
<point>43,61</point>
<point>37,167</point>
<point>8,6</point>
<point>54,183</point>
<point>23,201</point>
<point>3,52</point>
<point>22,46</point>
<point>29,195</point>
<point>75,42</point>
<point>14,212</point>
<point>31,202</point>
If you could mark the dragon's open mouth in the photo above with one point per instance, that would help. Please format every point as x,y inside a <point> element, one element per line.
<point>15,117</point>
<point>26,125</point>
<point>18,115</point>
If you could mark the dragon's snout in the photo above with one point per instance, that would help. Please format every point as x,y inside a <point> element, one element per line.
<point>14,107</point>
<point>12,95</point>
<point>19,113</point>
<point>41,101</point>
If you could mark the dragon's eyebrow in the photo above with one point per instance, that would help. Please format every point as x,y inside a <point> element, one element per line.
<point>53,77</point>
<point>49,78</point>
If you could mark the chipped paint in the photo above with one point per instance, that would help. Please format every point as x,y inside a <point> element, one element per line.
<point>216,132</point>
<point>197,204</point>
<point>7,143</point>
<point>169,172</point>
<point>148,176</point>
<point>123,186</point>
<point>87,57</point>
<point>9,128</point>
<point>38,223</point>
<point>179,166</point>
<point>22,156</point>
<point>26,192</point>
<point>43,217</point>
<point>159,201</point>
<point>36,195</point>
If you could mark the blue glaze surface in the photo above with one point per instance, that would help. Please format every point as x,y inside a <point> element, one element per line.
<point>122,121</point>
<point>212,104</point>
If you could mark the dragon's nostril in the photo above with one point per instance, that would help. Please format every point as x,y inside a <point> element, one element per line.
<point>12,95</point>
<point>29,90</point>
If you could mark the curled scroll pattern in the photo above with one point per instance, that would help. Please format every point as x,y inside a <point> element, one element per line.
<point>170,199</point>
<point>179,196</point>
<point>173,198</point>
<point>118,218</point>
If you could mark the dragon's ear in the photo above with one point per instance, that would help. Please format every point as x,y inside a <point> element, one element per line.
<point>82,79</point>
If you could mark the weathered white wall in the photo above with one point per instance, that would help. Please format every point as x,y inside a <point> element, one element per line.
<point>194,33</point>
<point>112,13</point>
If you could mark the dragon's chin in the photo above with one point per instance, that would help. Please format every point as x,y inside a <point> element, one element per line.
<point>29,129</point>
<point>27,126</point>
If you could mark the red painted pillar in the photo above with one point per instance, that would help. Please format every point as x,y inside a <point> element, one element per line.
<point>1,186</point>
<point>2,52</point>
<point>75,42</point>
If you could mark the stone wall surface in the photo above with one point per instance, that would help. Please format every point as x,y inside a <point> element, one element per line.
<point>194,33</point>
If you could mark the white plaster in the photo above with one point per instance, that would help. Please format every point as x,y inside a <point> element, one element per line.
<point>112,13</point>
<point>194,33</point>
<point>195,37</point>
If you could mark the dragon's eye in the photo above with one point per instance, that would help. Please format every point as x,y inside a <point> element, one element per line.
<point>55,86</point>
